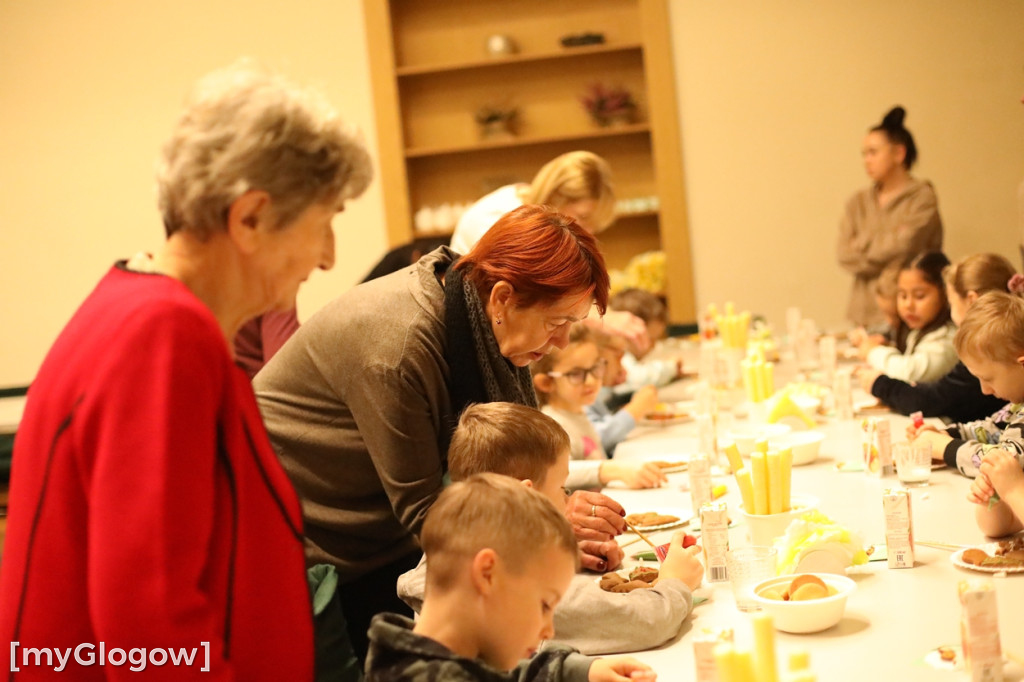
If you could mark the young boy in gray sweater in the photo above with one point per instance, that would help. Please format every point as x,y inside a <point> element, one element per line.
<point>527,445</point>
<point>492,588</point>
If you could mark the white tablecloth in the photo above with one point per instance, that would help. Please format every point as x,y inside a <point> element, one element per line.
<point>895,616</point>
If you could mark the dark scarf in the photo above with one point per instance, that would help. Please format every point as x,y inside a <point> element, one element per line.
<point>479,373</point>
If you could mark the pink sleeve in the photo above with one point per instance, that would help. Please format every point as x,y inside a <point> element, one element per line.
<point>277,327</point>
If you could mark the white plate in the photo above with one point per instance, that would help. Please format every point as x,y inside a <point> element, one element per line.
<point>678,462</point>
<point>676,468</point>
<point>684,516</point>
<point>989,548</point>
<point>676,413</point>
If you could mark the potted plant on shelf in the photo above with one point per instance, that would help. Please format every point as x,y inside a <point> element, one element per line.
<point>609,105</point>
<point>496,121</point>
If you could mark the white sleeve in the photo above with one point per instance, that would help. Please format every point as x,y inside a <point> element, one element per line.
<point>930,360</point>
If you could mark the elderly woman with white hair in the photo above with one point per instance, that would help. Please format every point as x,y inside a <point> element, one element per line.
<point>147,508</point>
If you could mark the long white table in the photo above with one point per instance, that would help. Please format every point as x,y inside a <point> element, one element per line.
<point>896,616</point>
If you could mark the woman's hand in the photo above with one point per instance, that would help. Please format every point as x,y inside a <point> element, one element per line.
<point>620,669</point>
<point>866,376</point>
<point>594,516</point>
<point>683,564</point>
<point>600,557</point>
<point>1002,471</point>
<point>636,475</point>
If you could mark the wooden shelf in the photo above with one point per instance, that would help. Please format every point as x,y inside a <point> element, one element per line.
<point>507,143</point>
<point>487,63</point>
<point>431,73</point>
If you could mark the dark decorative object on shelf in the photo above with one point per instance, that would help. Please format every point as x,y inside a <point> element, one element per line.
<point>609,105</point>
<point>580,39</point>
<point>496,121</point>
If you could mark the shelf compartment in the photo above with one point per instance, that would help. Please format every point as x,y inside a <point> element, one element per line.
<point>491,62</point>
<point>434,180</point>
<point>433,34</point>
<point>519,141</point>
<point>438,110</point>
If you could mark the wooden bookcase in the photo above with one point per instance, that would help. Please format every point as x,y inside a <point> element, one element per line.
<point>431,72</point>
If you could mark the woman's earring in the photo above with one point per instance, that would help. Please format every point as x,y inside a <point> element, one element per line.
<point>497,320</point>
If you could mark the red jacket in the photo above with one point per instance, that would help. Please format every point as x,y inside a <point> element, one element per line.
<point>147,508</point>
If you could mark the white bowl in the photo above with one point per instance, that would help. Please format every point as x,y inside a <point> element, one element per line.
<point>804,444</point>
<point>746,436</point>
<point>813,615</point>
<point>808,403</point>
<point>764,528</point>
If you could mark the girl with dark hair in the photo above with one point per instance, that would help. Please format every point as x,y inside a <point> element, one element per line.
<point>957,395</point>
<point>923,349</point>
<point>896,217</point>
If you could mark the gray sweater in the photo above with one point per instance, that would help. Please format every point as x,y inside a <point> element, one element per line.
<point>594,621</point>
<point>356,404</point>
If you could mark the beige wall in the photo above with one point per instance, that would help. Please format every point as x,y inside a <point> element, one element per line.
<point>775,96</point>
<point>90,89</point>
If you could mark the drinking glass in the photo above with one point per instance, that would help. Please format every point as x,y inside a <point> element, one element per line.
<point>747,566</point>
<point>913,463</point>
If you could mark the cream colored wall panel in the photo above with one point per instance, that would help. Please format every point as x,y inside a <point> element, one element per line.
<point>775,98</point>
<point>90,90</point>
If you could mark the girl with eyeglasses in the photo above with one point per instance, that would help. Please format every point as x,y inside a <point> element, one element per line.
<point>567,381</point>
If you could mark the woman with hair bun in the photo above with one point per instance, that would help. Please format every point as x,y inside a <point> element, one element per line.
<point>893,219</point>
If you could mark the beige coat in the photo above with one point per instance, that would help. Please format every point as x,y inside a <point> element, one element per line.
<point>875,240</point>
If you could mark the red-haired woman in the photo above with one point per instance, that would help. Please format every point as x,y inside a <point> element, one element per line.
<point>361,403</point>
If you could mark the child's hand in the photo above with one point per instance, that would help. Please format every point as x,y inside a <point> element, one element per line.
<point>857,336</point>
<point>629,326</point>
<point>683,564</point>
<point>1003,471</point>
<point>912,430</point>
<point>620,669</point>
<point>643,402</point>
<point>866,376</point>
<point>981,490</point>
<point>634,475</point>
<point>938,440</point>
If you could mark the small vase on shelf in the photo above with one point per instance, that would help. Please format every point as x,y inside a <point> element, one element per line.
<point>609,106</point>
<point>496,123</point>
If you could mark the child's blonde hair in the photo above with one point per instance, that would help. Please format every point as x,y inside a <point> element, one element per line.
<point>507,439</point>
<point>993,328</point>
<point>645,305</point>
<point>979,273</point>
<point>490,511</point>
<point>578,333</point>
